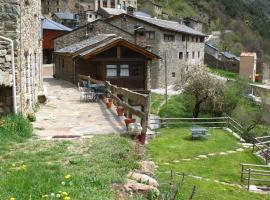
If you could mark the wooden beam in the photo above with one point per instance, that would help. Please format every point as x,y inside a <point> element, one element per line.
<point>118,52</point>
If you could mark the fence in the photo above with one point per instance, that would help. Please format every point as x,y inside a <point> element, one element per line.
<point>255,174</point>
<point>209,122</point>
<point>127,99</point>
<point>262,144</point>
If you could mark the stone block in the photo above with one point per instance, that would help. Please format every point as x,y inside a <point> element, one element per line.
<point>3,52</point>
<point>8,58</point>
<point>2,60</point>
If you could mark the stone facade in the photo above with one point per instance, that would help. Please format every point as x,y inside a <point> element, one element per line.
<point>74,6</point>
<point>180,54</point>
<point>84,32</point>
<point>151,7</point>
<point>20,21</point>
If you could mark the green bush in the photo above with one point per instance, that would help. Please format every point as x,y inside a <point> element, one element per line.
<point>15,127</point>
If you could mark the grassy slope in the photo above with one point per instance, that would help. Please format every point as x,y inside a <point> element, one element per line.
<point>174,144</point>
<point>156,100</point>
<point>94,165</point>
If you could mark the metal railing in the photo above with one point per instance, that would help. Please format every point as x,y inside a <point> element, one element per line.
<point>262,144</point>
<point>255,174</point>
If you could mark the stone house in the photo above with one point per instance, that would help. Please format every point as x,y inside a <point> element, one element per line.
<point>56,6</point>
<point>69,20</point>
<point>248,65</point>
<point>106,57</point>
<point>21,22</point>
<point>90,30</point>
<point>152,7</point>
<point>182,45</point>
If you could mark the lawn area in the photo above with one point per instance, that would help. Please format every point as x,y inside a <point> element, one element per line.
<point>156,100</point>
<point>174,144</point>
<point>226,74</point>
<point>77,169</point>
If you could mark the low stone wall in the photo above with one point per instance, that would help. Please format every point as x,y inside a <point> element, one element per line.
<point>47,70</point>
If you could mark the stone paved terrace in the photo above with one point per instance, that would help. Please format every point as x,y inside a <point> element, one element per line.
<point>64,115</point>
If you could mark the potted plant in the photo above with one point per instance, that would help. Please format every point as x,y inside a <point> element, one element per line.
<point>120,110</point>
<point>110,100</point>
<point>129,121</point>
<point>109,104</point>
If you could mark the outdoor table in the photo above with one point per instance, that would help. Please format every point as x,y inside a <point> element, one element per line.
<point>199,132</point>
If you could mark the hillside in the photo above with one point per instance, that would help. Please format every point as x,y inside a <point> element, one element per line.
<point>248,21</point>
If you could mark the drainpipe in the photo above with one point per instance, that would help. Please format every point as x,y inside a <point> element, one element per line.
<point>13,74</point>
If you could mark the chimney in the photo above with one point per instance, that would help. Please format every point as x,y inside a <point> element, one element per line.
<point>130,10</point>
<point>140,37</point>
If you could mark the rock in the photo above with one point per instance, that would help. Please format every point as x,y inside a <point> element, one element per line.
<point>143,178</point>
<point>8,58</point>
<point>231,152</point>
<point>3,52</point>
<point>134,187</point>
<point>223,153</point>
<point>240,150</point>
<point>186,159</point>
<point>202,156</point>
<point>148,166</point>
<point>211,154</point>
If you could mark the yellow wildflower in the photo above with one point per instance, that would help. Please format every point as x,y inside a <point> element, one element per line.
<point>65,193</point>
<point>68,176</point>
<point>13,165</point>
<point>67,198</point>
<point>45,196</point>
<point>12,198</point>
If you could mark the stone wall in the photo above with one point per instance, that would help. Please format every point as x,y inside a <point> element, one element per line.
<point>175,65</point>
<point>20,21</point>
<point>5,64</point>
<point>82,33</point>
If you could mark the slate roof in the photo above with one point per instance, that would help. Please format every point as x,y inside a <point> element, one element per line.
<point>69,16</point>
<point>52,25</point>
<point>212,46</point>
<point>229,55</point>
<point>140,13</point>
<point>170,25</point>
<point>85,43</point>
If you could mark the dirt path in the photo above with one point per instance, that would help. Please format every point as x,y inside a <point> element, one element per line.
<point>65,115</point>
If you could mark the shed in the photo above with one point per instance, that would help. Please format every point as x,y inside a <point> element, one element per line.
<point>106,57</point>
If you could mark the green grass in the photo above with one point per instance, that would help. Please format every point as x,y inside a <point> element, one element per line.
<point>156,100</point>
<point>175,144</point>
<point>94,165</point>
<point>15,127</point>
<point>226,74</point>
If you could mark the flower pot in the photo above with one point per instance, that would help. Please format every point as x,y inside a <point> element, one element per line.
<point>109,105</point>
<point>129,121</point>
<point>110,100</point>
<point>120,111</point>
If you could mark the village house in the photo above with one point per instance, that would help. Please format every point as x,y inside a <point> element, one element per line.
<point>106,57</point>
<point>183,46</point>
<point>152,7</point>
<point>180,46</point>
<point>20,83</point>
<point>51,30</point>
<point>69,20</point>
<point>55,6</point>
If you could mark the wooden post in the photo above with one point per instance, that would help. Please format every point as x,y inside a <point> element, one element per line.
<point>249,171</point>
<point>144,122</point>
<point>126,101</point>
<point>242,173</point>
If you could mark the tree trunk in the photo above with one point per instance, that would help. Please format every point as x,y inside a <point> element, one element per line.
<point>196,109</point>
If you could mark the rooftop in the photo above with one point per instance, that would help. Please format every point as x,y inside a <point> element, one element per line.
<point>52,25</point>
<point>164,24</point>
<point>69,16</point>
<point>113,11</point>
<point>85,43</point>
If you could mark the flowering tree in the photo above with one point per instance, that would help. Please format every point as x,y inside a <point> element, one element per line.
<point>203,88</point>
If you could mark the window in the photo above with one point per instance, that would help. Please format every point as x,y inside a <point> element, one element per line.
<point>187,38</point>
<point>105,4</point>
<point>183,38</point>
<point>173,74</point>
<point>199,54</point>
<point>136,70</point>
<point>193,55</point>
<point>181,54</point>
<point>58,9</point>
<point>187,55</point>
<point>150,35</point>
<point>111,70</point>
<point>197,39</point>
<point>124,70</point>
<point>202,39</point>
<point>112,4</point>
<point>168,38</point>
